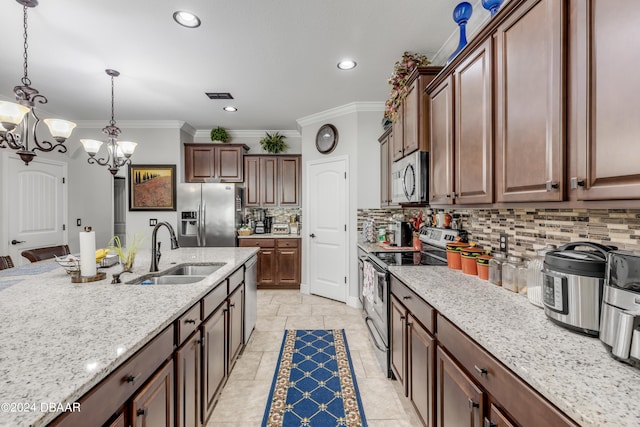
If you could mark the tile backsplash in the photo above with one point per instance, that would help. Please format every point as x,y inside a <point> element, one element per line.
<point>530,228</point>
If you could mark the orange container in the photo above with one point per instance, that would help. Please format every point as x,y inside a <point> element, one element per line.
<point>454,261</point>
<point>483,266</point>
<point>469,256</point>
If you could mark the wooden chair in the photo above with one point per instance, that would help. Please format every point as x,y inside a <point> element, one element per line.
<point>38,254</point>
<point>5,262</point>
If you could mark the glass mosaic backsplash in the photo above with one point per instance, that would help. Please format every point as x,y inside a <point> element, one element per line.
<point>530,229</point>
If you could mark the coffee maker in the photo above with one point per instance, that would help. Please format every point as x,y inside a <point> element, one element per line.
<point>259,217</point>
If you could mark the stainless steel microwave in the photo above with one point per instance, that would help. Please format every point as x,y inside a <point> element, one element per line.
<point>410,179</point>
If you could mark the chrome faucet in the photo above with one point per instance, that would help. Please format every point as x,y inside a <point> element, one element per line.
<point>155,245</point>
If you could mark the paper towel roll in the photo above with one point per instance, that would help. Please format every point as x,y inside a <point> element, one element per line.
<point>87,252</point>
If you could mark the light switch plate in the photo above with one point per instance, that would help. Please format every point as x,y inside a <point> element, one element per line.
<point>153,222</point>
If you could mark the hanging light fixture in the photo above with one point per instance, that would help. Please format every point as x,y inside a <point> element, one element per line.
<point>19,121</point>
<point>118,152</point>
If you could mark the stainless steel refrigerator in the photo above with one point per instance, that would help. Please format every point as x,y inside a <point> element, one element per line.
<point>209,214</point>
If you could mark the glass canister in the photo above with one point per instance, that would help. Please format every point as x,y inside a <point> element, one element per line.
<point>495,268</point>
<point>510,273</point>
<point>522,277</point>
<point>535,277</point>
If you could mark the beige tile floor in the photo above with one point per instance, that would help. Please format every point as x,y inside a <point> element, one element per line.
<point>244,397</point>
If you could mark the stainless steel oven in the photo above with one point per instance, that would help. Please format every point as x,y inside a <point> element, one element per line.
<point>376,290</point>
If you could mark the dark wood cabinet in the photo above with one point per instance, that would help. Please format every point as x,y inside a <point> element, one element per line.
<point>462,133</point>
<point>410,130</point>
<point>421,370</point>
<point>398,346</point>
<point>279,262</point>
<point>214,367</point>
<point>206,161</point>
<point>272,180</point>
<point>120,421</point>
<point>604,86</point>
<point>154,404</point>
<point>386,144</point>
<point>235,330</point>
<point>530,131</point>
<point>460,401</point>
<point>189,383</point>
<point>497,418</point>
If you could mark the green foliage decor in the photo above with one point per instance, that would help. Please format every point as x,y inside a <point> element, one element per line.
<point>273,143</point>
<point>398,80</point>
<point>219,134</point>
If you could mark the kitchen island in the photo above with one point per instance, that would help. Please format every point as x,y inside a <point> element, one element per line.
<point>59,339</point>
<point>572,371</point>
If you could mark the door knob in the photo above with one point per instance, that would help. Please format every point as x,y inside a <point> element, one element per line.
<point>312,235</point>
<point>15,242</point>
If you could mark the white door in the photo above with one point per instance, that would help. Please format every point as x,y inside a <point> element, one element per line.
<point>36,196</point>
<point>327,229</point>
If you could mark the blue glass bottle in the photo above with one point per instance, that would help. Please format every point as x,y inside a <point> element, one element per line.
<point>492,5</point>
<point>461,15</point>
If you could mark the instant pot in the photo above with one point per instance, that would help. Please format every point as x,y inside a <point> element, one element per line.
<point>573,279</point>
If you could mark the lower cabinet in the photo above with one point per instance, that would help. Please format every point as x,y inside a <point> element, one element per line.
<point>451,380</point>
<point>153,405</point>
<point>188,383</point>
<point>279,262</point>
<point>214,369</point>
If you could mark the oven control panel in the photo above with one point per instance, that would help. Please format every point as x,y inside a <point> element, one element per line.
<point>438,237</point>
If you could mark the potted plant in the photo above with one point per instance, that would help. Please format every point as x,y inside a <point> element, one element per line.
<point>219,134</point>
<point>127,255</point>
<point>398,80</point>
<point>273,143</point>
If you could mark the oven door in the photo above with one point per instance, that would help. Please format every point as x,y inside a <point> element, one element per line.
<point>376,314</point>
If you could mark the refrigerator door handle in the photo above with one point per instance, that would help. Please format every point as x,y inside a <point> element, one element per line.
<point>204,221</point>
<point>199,222</point>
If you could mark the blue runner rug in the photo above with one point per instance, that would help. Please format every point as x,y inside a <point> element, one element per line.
<point>314,384</point>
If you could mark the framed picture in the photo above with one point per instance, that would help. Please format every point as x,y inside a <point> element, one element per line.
<point>152,187</point>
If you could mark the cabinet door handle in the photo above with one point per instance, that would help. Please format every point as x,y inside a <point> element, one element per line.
<point>482,371</point>
<point>192,321</point>
<point>201,341</point>
<point>406,297</point>
<point>552,185</point>
<point>232,305</point>
<point>409,324</point>
<point>130,379</point>
<point>488,423</point>
<point>141,411</point>
<point>402,317</point>
<point>473,404</point>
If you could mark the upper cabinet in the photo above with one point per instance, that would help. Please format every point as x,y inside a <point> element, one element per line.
<point>604,125</point>
<point>272,180</point>
<point>410,130</point>
<point>206,161</point>
<point>529,103</point>
<point>461,133</point>
<point>386,149</point>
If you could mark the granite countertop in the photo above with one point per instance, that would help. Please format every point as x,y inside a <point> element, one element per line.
<point>271,236</point>
<point>58,339</point>
<point>573,371</point>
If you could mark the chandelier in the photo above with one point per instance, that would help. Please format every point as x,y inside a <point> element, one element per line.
<point>118,152</point>
<point>19,121</point>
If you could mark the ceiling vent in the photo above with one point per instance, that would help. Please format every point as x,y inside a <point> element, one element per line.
<point>219,95</point>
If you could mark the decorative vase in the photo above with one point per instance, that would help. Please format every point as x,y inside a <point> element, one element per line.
<point>492,5</point>
<point>461,15</point>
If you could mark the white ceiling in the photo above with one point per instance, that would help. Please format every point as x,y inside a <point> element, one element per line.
<point>277,57</point>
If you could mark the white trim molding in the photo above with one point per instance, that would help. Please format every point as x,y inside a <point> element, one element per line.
<point>353,107</point>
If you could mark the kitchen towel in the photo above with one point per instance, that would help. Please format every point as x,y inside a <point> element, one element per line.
<point>87,252</point>
<point>369,275</point>
<point>314,383</point>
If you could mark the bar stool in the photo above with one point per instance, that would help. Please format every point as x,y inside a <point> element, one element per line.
<point>5,262</point>
<point>38,254</point>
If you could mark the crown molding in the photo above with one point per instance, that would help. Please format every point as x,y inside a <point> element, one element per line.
<point>135,124</point>
<point>354,107</point>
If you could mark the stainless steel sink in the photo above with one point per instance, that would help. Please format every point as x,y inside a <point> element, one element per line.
<point>194,269</point>
<point>166,279</point>
<point>181,274</point>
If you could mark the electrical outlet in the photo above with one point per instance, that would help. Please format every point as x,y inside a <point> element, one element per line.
<point>504,242</point>
<point>78,222</point>
<point>153,222</point>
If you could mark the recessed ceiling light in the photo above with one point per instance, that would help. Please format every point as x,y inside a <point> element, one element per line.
<point>186,19</point>
<point>347,64</point>
<point>230,109</point>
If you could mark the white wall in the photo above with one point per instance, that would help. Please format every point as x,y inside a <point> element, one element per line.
<point>359,126</point>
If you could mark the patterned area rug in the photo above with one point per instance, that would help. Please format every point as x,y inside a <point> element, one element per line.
<point>314,384</point>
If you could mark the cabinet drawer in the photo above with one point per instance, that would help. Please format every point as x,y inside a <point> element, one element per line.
<point>515,396</point>
<point>108,396</point>
<point>288,243</point>
<point>257,243</point>
<point>416,305</point>
<point>213,299</point>
<point>187,323</point>
<point>236,279</point>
